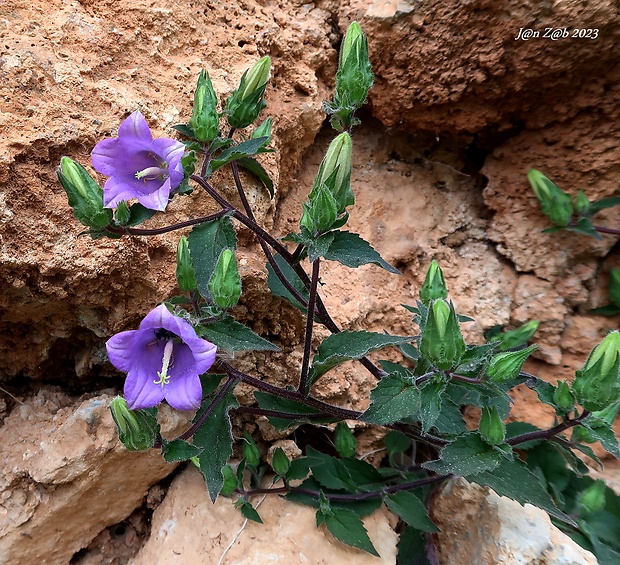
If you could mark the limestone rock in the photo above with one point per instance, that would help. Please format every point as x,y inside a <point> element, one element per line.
<point>480,527</point>
<point>188,528</point>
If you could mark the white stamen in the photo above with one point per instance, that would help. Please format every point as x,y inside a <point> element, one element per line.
<point>164,377</point>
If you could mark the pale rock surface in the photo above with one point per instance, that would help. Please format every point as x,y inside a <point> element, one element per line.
<point>187,528</point>
<point>479,527</point>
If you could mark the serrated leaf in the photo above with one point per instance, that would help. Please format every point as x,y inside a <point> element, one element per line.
<point>431,393</point>
<point>514,480</point>
<point>278,289</point>
<point>254,167</point>
<point>179,450</point>
<point>347,345</point>
<point>318,247</point>
<point>450,419</point>
<point>605,435</point>
<point>231,335</point>
<point>347,527</point>
<point>244,149</point>
<point>393,399</point>
<point>215,439</point>
<point>410,508</point>
<point>269,402</point>
<point>206,243</point>
<point>353,251</point>
<point>466,455</point>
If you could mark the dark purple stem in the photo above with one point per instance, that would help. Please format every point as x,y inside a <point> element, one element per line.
<point>166,229</point>
<point>546,434</point>
<point>305,365</point>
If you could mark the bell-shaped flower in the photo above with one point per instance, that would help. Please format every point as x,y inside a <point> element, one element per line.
<point>163,360</point>
<point>138,166</point>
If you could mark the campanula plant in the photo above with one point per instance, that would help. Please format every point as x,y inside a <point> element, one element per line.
<point>183,352</point>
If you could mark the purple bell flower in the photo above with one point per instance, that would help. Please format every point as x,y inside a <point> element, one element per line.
<point>163,360</point>
<point>138,165</point>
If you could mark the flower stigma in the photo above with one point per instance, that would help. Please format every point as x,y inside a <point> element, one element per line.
<point>164,377</point>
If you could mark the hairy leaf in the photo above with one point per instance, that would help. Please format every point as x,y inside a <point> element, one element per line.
<point>230,335</point>
<point>352,251</point>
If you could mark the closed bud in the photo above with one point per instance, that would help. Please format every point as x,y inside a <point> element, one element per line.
<point>353,79</point>
<point>335,172</point>
<point>246,102</point>
<point>321,212</point>
<point>264,130</point>
<point>554,202</point>
<point>434,286</point>
<point>344,440</point>
<point>582,204</point>
<point>280,462</point>
<point>491,427</point>
<point>84,194</point>
<point>597,385</point>
<point>122,214</point>
<point>517,337</point>
<point>563,398</point>
<point>137,429</point>
<point>442,342</point>
<point>593,498</point>
<point>231,482</point>
<point>205,121</point>
<point>186,276</point>
<point>507,366</point>
<point>225,282</point>
<point>250,451</point>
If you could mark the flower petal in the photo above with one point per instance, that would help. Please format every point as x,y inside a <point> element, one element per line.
<point>136,128</point>
<point>120,348</point>
<point>184,391</point>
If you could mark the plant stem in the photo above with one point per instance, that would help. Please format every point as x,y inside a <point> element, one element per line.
<point>305,366</point>
<point>166,229</point>
<point>546,434</point>
<point>209,410</point>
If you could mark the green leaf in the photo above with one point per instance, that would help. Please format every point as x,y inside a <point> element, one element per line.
<point>450,419</point>
<point>318,247</point>
<point>604,203</point>
<point>352,251</point>
<point>412,548</point>
<point>278,289</point>
<point>431,393</point>
<point>466,455</point>
<point>605,434</point>
<point>347,527</point>
<point>244,149</point>
<point>269,402</point>
<point>608,310</point>
<point>206,243</point>
<point>586,227</point>
<point>396,442</point>
<point>179,450</point>
<point>215,439</point>
<point>231,335</point>
<point>139,214</point>
<point>254,167</point>
<point>344,346</point>
<point>410,509</point>
<point>248,511</point>
<point>393,399</point>
<point>514,480</point>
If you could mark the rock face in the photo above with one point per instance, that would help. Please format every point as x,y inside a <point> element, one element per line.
<point>459,111</point>
<point>480,527</point>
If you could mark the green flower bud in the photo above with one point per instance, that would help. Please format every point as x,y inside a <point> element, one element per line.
<point>582,204</point>
<point>614,286</point>
<point>335,172</point>
<point>264,130</point>
<point>507,366</point>
<point>205,121</point>
<point>353,79</point>
<point>434,286</point>
<point>563,398</point>
<point>321,212</point>
<point>491,427</point>
<point>186,276</point>
<point>280,462</point>
<point>597,385</point>
<point>246,102</point>
<point>225,282</point>
<point>555,203</point>
<point>593,498</point>
<point>84,194</point>
<point>442,342</point>
<point>137,429</point>
<point>122,214</point>
<point>250,451</point>
<point>344,440</point>
<point>231,482</point>
<point>517,337</point>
